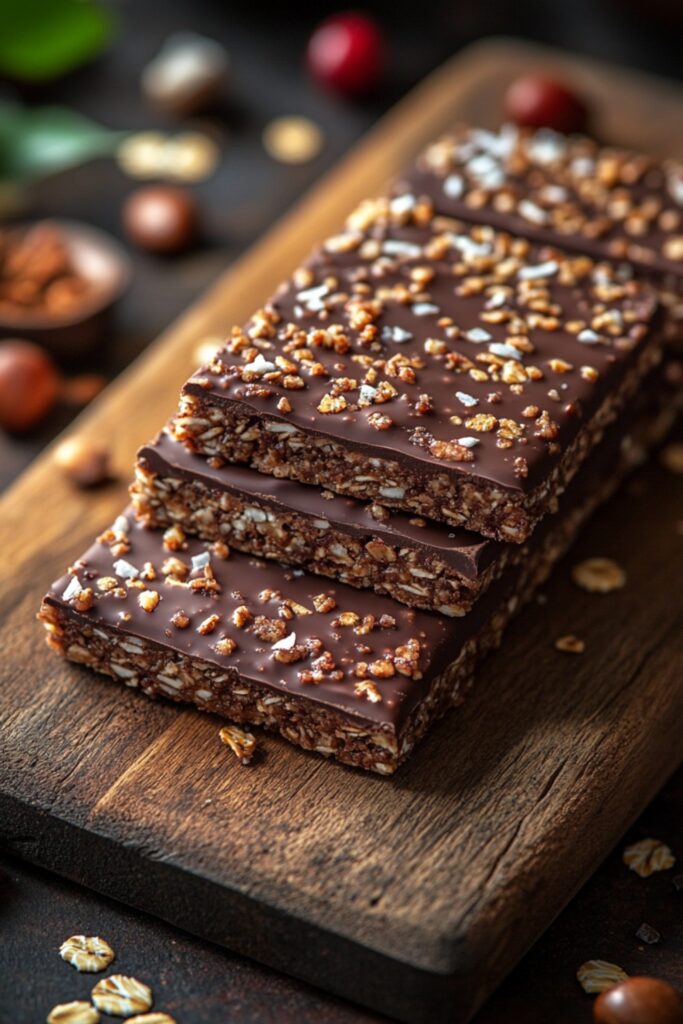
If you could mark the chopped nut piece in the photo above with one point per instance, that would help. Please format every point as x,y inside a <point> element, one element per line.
<point>241,616</point>
<point>152,1018</point>
<point>648,856</point>
<point>86,953</point>
<point>180,620</point>
<point>599,575</point>
<point>570,644</point>
<point>83,601</point>
<point>381,669</point>
<point>226,645</point>
<point>366,689</point>
<point>148,600</point>
<point>599,976</point>
<point>174,538</point>
<point>324,603</point>
<point>242,744</point>
<point>78,1012</point>
<point>208,625</point>
<point>121,996</point>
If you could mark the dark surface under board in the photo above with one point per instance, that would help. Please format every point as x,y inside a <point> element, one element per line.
<point>414,895</point>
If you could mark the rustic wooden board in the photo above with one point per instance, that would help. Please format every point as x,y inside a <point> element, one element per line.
<point>413,895</point>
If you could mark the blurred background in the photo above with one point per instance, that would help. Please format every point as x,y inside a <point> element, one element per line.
<point>182,131</point>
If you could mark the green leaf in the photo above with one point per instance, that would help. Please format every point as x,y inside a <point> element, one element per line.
<point>43,39</point>
<point>41,140</point>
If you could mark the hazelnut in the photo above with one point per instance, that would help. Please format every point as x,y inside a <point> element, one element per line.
<point>187,75</point>
<point>29,385</point>
<point>161,218</point>
<point>84,462</point>
<point>640,1001</point>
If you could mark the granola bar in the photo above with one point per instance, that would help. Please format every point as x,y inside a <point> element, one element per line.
<point>446,370</point>
<point>609,202</point>
<point>346,672</point>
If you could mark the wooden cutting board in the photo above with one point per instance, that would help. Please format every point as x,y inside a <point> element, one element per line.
<point>413,895</point>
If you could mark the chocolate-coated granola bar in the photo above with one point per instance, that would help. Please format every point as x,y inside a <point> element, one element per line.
<point>609,202</point>
<point>450,371</point>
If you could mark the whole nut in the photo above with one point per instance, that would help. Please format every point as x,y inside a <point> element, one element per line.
<point>640,1001</point>
<point>161,218</point>
<point>84,462</point>
<point>29,385</point>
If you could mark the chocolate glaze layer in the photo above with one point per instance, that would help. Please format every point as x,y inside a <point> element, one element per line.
<point>241,580</point>
<point>578,291</point>
<point>467,552</point>
<point>567,191</point>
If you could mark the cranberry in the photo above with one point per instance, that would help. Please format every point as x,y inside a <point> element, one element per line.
<point>346,53</point>
<point>161,218</point>
<point>29,385</point>
<point>539,102</point>
<point>639,1001</point>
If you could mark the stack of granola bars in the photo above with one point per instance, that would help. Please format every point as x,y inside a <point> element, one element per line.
<point>373,474</point>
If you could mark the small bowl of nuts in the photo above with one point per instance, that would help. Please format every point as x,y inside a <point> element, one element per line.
<point>59,283</point>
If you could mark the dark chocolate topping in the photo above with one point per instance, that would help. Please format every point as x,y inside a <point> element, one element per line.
<point>569,191</point>
<point>460,348</point>
<point>467,552</point>
<point>420,643</point>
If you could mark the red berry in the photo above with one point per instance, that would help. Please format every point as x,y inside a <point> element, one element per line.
<point>539,102</point>
<point>29,385</point>
<point>639,1001</point>
<point>346,53</point>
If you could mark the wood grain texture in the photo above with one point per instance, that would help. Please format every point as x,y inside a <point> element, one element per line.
<point>414,895</point>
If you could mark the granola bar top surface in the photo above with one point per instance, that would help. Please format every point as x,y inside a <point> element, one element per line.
<point>362,654</point>
<point>467,552</point>
<point>416,337</point>
<point>606,201</point>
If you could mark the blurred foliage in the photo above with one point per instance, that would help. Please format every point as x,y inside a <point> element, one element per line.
<point>43,39</point>
<point>37,141</point>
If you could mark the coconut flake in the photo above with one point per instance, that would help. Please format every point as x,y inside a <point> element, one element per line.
<point>72,589</point>
<point>531,212</point>
<point>397,334</point>
<point>478,335</point>
<point>425,309</point>
<point>201,560</point>
<point>121,524</point>
<point>125,569</point>
<point>403,204</point>
<point>396,247</point>
<point>588,337</point>
<point>260,365</point>
<point>546,269</point>
<point>468,400</point>
<point>469,442</point>
<point>285,644</point>
<point>505,351</point>
<point>453,186</point>
<point>312,297</point>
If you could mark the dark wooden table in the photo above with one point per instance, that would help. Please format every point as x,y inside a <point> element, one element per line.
<point>197,982</point>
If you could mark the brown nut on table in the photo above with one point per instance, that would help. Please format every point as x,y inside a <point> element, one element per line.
<point>29,385</point>
<point>84,462</point>
<point>161,218</point>
<point>640,1001</point>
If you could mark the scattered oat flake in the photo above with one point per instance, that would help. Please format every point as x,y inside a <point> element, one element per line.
<point>599,976</point>
<point>87,953</point>
<point>293,140</point>
<point>78,1012</point>
<point>646,933</point>
<point>647,856</point>
<point>121,996</point>
<point>152,1018</point>
<point>570,644</point>
<point>599,575</point>
<point>671,457</point>
<point>242,743</point>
